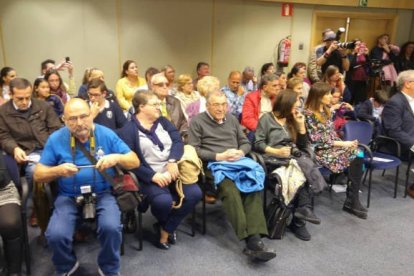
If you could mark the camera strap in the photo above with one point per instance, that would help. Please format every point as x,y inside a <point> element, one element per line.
<point>92,146</point>
<point>93,160</point>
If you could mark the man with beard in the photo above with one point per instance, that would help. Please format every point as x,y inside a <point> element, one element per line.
<point>63,160</point>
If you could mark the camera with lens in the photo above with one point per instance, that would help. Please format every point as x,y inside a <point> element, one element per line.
<point>344,45</point>
<point>87,200</point>
<point>294,151</point>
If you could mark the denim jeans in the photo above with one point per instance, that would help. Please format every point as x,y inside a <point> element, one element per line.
<point>62,225</point>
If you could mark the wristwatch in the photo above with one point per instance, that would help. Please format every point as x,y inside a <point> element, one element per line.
<point>172,160</point>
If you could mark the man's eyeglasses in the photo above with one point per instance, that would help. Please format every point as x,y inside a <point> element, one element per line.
<point>217,105</point>
<point>161,84</point>
<point>94,95</point>
<point>74,119</point>
<point>154,104</point>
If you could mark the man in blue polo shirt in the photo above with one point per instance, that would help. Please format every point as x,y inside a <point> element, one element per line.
<point>62,160</point>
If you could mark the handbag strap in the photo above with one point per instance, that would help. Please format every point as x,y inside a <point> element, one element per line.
<point>93,160</point>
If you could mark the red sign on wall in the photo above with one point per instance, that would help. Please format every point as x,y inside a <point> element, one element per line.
<point>287,9</point>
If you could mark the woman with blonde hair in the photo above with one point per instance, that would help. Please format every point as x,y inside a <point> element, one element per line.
<point>185,92</point>
<point>204,86</point>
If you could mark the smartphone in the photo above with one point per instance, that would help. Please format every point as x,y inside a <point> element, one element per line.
<point>67,59</point>
<point>85,166</point>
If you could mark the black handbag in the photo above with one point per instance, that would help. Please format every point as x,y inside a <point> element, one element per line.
<point>276,215</point>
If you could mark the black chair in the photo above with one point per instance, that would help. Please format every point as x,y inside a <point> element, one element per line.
<point>23,187</point>
<point>362,131</point>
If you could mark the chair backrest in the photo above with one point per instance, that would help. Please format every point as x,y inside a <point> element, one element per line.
<point>359,130</point>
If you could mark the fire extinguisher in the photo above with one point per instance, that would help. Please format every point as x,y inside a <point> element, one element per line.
<point>284,52</point>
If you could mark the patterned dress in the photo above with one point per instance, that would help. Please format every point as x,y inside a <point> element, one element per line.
<point>322,136</point>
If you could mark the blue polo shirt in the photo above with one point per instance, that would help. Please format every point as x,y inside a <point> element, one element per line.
<point>57,151</point>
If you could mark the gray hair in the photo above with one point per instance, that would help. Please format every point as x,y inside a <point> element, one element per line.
<point>404,76</point>
<point>268,78</point>
<point>248,69</point>
<point>216,93</point>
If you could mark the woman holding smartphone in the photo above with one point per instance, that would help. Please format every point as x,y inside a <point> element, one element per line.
<point>335,80</point>
<point>286,123</point>
<point>331,152</point>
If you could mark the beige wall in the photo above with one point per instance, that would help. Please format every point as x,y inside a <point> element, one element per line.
<point>229,34</point>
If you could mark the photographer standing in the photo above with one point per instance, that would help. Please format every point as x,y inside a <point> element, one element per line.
<point>386,53</point>
<point>81,187</point>
<point>328,53</point>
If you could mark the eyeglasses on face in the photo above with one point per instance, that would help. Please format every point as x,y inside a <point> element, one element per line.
<point>74,119</point>
<point>161,84</point>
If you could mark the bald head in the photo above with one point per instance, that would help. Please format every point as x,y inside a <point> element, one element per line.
<point>234,81</point>
<point>75,103</point>
<point>78,119</point>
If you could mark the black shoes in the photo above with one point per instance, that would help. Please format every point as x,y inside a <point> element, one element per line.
<point>305,213</point>
<point>160,245</point>
<point>355,208</point>
<point>300,231</point>
<point>256,249</point>
<point>172,238</point>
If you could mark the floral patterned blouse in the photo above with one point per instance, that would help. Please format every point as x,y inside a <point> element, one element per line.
<point>322,136</point>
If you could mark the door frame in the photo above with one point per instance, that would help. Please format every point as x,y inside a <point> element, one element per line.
<point>393,17</point>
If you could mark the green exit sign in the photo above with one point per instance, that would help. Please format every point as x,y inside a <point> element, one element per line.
<point>363,3</point>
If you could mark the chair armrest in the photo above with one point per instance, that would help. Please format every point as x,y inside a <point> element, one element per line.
<point>381,139</point>
<point>366,150</point>
<point>257,157</point>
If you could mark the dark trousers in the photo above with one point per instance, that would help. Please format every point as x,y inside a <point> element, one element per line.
<point>243,210</point>
<point>161,201</point>
<point>11,231</point>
